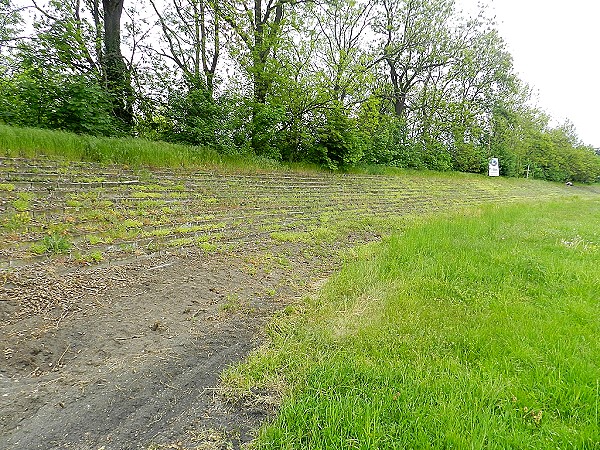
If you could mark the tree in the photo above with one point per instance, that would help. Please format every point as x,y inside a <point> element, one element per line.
<point>339,31</point>
<point>415,39</point>
<point>117,75</point>
<point>191,30</point>
<point>257,27</point>
<point>10,19</point>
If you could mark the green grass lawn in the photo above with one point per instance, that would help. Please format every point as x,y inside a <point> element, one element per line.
<point>479,330</point>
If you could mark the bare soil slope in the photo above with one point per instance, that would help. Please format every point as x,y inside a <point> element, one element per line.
<point>118,341</point>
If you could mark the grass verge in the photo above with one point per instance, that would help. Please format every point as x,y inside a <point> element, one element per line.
<point>136,152</point>
<point>475,331</point>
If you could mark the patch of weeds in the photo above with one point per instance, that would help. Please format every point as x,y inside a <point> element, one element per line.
<point>146,195</point>
<point>189,228</point>
<point>276,259</point>
<point>323,234</point>
<point>89,258</point>
<point>209,200</point>
<point>173,195</point>
<point>194,228</point>
<point>54,244</point>
<point>94,240</point>
<point>152,247</point>
<point>89,195</point>
<point>204,217</point>
<point>145,175</point>
<point>128,248</point>
<point>98,216</point>
<point>7,187</point>
<point>95,179</point>
<point>158,232</point>
<point>16,221</point>
<point>58,228</point>
<point>151,187</point>
<point>181,242</point>
<point>150,204</point>
<point>74,203</point>
<point>250,269</point>
<point>207,247</point>
<point>288,236</point>
<point>131,223</point>
<point>23,202</point>
<point>232,303</point>
<point>104,204</point>
<point>272,227</point>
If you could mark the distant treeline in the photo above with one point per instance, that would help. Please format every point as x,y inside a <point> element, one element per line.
<point>404,83</point>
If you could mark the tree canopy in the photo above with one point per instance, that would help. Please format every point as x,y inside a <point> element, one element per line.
<point>406,83</point>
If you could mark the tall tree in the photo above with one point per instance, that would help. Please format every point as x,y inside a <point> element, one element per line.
<point>9,20</point>
<point>257,26</point>
<point>191,31</point>
<point>118,80</point>
<point>340,30</point>
<point>415,39</point>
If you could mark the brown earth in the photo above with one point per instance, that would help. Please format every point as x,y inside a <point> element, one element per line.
<point>125,356</point>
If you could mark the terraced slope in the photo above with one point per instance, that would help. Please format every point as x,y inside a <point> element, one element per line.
<point>124,293</point>
<point>110,213</point>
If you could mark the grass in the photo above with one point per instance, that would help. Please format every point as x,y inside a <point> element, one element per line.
<point>135,152</point>
<point>54,244</point>
<point>478,330</point>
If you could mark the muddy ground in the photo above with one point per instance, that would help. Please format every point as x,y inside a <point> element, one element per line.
<point>128,356</point>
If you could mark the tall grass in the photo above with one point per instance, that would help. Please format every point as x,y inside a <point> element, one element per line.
<point>476,331</point>
<point>34,142</point>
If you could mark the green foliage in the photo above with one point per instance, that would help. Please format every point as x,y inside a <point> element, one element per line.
<point>54,244</point>
<point>39,98</point>
<point>15,141</point>
<point>338,144</point>
<point>17,221</point>
<point>524,142</point>
<point>10,20</point>
<point>191,117</point>
<point>264,128</point>
<point>431,89</point>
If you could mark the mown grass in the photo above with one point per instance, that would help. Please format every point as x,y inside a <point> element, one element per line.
<point>478,330</point>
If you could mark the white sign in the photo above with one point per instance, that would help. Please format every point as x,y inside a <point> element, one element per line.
<point>494,168</point>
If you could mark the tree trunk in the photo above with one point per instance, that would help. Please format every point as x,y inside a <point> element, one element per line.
<point>117,75</point>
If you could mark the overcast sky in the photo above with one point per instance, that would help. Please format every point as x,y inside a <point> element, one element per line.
<point>556,50</point>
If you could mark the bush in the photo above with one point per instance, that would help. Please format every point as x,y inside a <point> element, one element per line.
<point>39,98</point>
<point>338,144</point>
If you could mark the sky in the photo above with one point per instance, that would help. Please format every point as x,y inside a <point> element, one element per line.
<point>556,50</point>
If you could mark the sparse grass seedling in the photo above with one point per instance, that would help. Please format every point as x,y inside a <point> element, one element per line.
<point>232,303</point>
<point>16,221</point>
<point>54,244</point>
<point>23,202</point>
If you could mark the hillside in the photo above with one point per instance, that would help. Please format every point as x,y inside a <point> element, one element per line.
<point>125,292</point>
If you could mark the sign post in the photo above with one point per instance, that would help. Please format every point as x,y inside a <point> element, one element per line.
<point>494,168</point>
